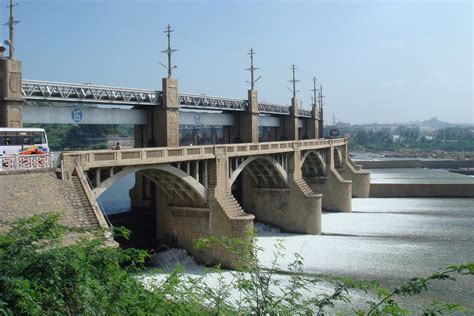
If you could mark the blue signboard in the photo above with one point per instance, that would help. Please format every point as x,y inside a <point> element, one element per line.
<point>76,115</point>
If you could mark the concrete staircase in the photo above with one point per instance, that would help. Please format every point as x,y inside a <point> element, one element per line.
<point>86,206</point>
<point>304,187</point>
<point>232,208</point>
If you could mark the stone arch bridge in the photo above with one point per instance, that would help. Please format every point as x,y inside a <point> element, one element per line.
<point>220,189</point>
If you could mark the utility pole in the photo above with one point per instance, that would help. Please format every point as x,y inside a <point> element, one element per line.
<point>314,96</point>
<point>169,51</point>
<point>294,81</point>
<point>252,70</point>
<point>321,104</point>
<point>11,25</point>
<point>320,98</point>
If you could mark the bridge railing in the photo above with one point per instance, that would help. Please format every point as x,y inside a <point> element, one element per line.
<point>30,162</point>
<point>98,158</point>
<point>141,155</point>
<point>87,93</point>
<point>38,90</point>
<point>275,147</point>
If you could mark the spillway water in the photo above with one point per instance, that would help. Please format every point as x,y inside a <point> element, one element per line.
<point>388,240</point>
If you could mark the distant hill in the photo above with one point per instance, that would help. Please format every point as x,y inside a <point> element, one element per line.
<point>434,123</point>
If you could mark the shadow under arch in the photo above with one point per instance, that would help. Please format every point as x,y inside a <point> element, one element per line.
<point>313,165</point>
<point>264,170</point>
<point>165,176</point>
<point>256,176</point>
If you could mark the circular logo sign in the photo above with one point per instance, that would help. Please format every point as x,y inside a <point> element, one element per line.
<point>76,115</point>
<point>15,83</point>
<point>197,119</point>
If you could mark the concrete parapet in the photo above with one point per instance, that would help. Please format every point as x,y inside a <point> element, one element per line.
<point>360,179</point>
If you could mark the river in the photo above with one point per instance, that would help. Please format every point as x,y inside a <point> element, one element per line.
<point>388,240</point>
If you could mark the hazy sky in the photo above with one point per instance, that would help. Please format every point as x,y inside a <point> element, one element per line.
<point>385,61</point>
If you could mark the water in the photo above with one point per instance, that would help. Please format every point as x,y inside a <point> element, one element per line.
<point>117,199</point>
<point>389,240</point>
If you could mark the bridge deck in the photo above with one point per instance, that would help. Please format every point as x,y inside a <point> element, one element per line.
<point>126,157</point>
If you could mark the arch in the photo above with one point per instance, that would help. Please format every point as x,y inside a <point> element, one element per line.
<point>167,171</point>
<point>313,164</point>
<point>337,158</point>
<point>269,164</point>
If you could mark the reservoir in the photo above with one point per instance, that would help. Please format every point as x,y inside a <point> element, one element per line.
<point>388,240</point>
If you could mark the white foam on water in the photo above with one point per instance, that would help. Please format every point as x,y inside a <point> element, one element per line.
<point>168,260</point>
<point>389,240</point>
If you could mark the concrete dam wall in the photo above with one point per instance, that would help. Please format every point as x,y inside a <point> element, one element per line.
<point>415,163</point>
<point>387,190</point>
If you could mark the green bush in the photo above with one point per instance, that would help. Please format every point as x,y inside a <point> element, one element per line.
<point>41,275</point>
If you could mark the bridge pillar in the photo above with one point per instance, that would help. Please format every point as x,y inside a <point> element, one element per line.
<point>290,122</point>
<point>245,128</point>
<point>248,121</point>
<point>162,129</point>
<point>166,119</point>
<point>226,218</point>
<point>313,124</point>
<point>360,178</point>
<point>336,191</point>
<point>294,207</point>
<point>140,194</point>
<point>10,93</point>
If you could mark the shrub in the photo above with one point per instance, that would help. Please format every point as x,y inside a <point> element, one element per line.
<point>40,274</point>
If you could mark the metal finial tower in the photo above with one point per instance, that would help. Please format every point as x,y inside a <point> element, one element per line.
<point>252,70</point>
<point>294,81</point>
<point>314,97</point>
<point>11,25</point>
<point>169,51</point>
<point>321,102</point>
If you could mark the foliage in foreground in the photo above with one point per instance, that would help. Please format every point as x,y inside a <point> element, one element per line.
<point>41,275</point>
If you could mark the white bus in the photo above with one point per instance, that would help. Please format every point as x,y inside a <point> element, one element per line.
<point>23,141</point>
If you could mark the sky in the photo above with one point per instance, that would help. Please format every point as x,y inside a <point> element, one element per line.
<point>378,61</point>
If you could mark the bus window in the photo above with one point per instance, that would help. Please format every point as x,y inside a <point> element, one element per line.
<point>12,139</point>
<point>37,138</point>
<point>2,140</point>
